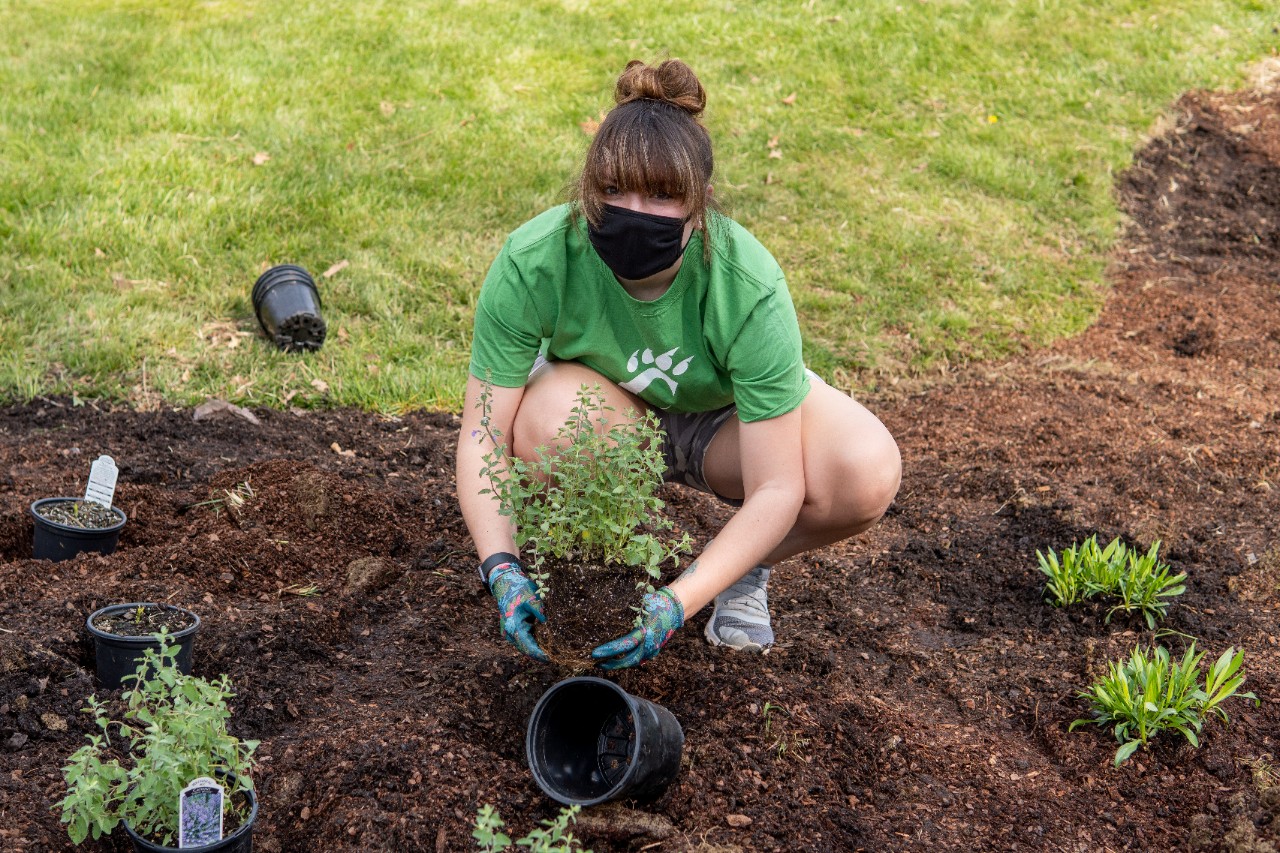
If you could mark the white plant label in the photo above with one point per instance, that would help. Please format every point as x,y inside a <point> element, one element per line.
<point>200,813</point>
<point>102,481</point>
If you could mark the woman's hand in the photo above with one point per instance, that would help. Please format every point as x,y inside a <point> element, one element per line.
<point>518,606</point>
<point>661,614</point>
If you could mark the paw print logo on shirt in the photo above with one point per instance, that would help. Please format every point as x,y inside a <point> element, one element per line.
<point>664,367</point>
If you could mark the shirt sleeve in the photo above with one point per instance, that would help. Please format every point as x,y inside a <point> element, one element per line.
<point>507,332</point>
<point>766,363</point>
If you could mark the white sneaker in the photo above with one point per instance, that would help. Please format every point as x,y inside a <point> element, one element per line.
<point>740,619</point>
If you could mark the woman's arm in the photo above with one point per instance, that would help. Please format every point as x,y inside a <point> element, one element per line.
<point>491,531</point>
<point>773,479</point>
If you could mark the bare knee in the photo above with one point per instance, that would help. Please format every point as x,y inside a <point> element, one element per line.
<point>860,484</point>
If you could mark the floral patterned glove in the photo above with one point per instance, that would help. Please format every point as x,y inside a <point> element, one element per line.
<point>660,615</point>
<point>518,606</point>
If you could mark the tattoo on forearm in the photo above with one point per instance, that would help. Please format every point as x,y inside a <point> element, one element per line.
<point>688,573</point>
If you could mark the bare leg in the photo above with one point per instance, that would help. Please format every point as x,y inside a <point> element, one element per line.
<point>852,470</point>
<point>549,398</point>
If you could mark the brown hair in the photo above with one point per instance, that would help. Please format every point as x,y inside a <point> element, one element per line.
<point>651,142</point>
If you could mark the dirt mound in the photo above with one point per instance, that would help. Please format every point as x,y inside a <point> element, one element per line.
<point>921,691</point>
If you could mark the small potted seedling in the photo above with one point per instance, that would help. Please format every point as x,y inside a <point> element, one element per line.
<point>67,526</point>
<point>122,634</point>
<point>168,770</point>
<point>585,516</point>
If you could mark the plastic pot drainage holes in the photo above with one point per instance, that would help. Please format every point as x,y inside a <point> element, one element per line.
<point>589,741</point>
<point>287,303</point>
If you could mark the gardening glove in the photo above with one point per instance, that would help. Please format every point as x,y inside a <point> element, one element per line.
<point>518,603</point>
<point>661,613</point>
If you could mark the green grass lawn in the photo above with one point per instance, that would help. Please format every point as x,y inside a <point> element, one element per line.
<point>935,177</point>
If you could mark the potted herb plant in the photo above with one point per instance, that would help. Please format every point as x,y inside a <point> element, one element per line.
<point>173,733</point>
<point>65,527</point>
<point>586,517</point>
<point>123,632</point>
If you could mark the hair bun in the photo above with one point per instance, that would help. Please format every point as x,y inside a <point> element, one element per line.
<point>672,82</point>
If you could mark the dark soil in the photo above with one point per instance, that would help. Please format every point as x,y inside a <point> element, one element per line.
<point>144,621</point>
<point>920,692</point>
<point>589,604</point>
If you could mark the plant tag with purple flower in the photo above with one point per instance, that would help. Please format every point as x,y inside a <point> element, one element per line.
<point>102,481</point>
<point>200,813</point>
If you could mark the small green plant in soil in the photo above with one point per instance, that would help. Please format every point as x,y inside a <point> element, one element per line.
<point>1150,693</point>
<point>590,499</point>
<point>174,730</point>
<point>144,620</point>
<point>1137,582</point>
<point>553,838</point>
<point>86,515</point>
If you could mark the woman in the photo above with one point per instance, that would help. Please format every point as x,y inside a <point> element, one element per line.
<point>641,286</point>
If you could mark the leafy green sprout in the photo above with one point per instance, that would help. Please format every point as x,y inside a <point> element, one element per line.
<point>593,498</point>
<point>783,742</point>
<point>1150,693</point>
<point>173,731</point>
<point>554,837</point>
<point>1139,581</point>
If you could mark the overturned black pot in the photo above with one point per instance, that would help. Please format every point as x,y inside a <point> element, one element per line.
<point>287,303</point>
<point>589,741</point>
<point>118,655</point>
<point>56,541</point>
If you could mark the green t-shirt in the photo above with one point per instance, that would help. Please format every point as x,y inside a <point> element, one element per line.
<point>724,332</point>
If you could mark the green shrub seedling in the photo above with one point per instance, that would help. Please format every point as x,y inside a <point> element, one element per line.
<point>1148,694</point>
<point>554,838</point>
<point>174,730</point>
<point>592,498</point>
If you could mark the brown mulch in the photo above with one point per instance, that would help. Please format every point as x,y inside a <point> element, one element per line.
<point>921,690</point>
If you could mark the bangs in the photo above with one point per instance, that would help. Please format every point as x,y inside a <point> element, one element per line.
<point>647,147</point>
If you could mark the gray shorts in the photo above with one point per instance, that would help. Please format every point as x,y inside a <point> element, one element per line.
<point>686,437</point>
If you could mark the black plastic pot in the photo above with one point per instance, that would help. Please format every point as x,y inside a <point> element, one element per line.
<point>54,541</point>
<point>589,741</point>
<point>287,303</point>
<point>119,656</point>
<point>240,841</point>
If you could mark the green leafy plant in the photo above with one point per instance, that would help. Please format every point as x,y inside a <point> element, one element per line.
<point>554,837</point>
<point>589,499</point>
<point>174,730</point>
<point>1139,581</point>
<point>1149,693</point>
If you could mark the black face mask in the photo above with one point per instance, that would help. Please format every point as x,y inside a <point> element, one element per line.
<point>636,245</point>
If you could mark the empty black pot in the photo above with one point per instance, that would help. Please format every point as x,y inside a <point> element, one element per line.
<point>55,541</point>
<point>589,741</point>
<point>287,303</point>
<point>118,656</point>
